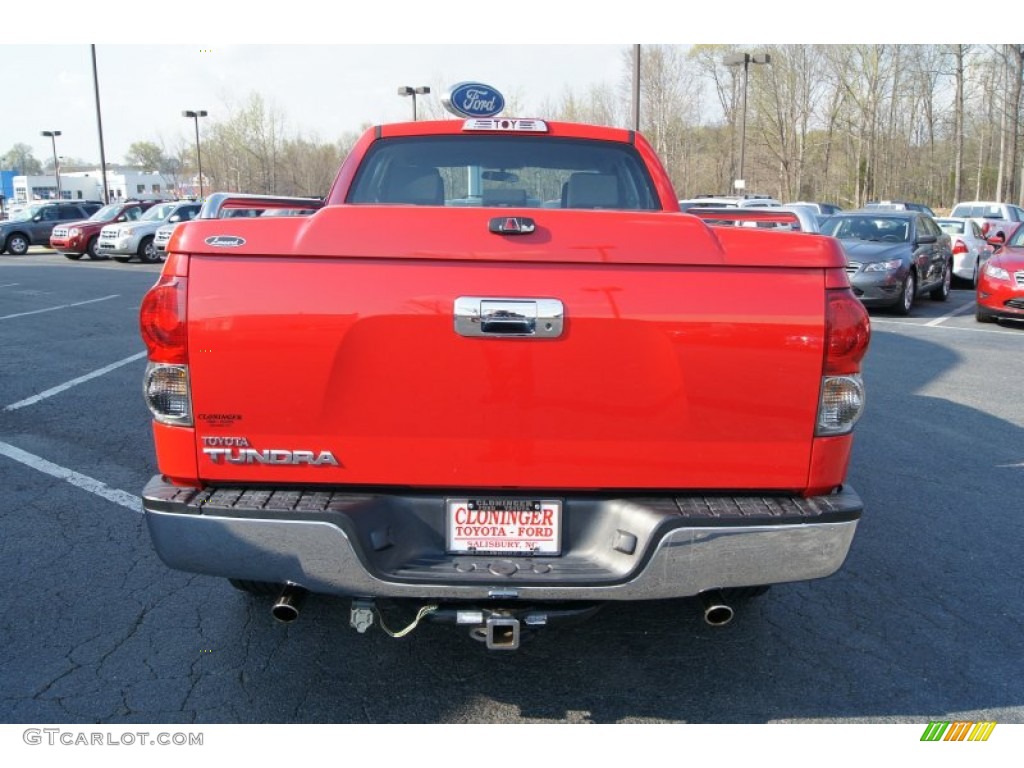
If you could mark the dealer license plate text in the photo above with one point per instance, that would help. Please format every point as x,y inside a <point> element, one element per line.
<point>504,526</point>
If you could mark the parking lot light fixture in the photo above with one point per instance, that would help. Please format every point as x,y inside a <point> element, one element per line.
<point>408,90</point>
<point>744,60</point>
<point>195,114</point>
<point>52,135</point>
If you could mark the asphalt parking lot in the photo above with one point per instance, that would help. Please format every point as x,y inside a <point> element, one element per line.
<point>923,622</point>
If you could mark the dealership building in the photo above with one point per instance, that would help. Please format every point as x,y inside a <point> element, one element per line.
<point>88,185</point>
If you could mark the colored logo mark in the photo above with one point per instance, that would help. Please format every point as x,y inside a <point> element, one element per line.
<point>473,100</point>
<point>959,730</point>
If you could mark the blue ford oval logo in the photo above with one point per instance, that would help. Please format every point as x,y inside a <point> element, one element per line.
<point>473,100</point>
<point>225,241</point>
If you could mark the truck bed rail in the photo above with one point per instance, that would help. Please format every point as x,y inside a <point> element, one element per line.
<point>219,203</point>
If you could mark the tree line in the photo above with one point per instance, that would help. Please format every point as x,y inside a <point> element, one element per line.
<point>833,123</point>
<point>838,123</point>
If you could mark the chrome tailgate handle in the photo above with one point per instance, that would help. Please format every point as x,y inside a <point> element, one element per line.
<point>495,317</point>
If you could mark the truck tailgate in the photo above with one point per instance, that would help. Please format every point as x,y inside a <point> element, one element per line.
<point>664,376</point>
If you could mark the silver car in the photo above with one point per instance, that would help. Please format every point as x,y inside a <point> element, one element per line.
<point>970,248</point>
<point>137,238</point>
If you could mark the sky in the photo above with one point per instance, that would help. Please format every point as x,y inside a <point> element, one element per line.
<point>333,68</point>
<point>322,90</point>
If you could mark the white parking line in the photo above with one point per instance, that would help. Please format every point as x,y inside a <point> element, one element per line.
<point>62,306</point>
<point>8,285</point>
<point>958,311</point>
<point>84,482</point>
<point>905,324</point>
<point>74,382</point>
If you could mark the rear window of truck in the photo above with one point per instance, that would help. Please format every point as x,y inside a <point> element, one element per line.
<point>504,172</point>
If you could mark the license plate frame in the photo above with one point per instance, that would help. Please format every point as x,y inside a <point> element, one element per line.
<point>495,526</point>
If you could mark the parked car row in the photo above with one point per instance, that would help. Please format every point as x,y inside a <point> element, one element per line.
<point>892,262</point>
<point>33,224</point>
<point>80,238</point>
<point>125,241</point>
<point>133,229</point>
<point>898,251</point>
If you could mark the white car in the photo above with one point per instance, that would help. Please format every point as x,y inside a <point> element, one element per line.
<point>970,249</point>
<point>996,220</point>
<point>160,238</point>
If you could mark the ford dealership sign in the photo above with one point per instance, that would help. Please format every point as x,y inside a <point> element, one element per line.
<point>473,100</point>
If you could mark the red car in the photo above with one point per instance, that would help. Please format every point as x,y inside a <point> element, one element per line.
<point>75,239</point>
<point>1001,284</point>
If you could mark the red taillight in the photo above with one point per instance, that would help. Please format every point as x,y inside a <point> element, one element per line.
<point>848,331</point>
<point>960,247</point>
<point>162,320</point>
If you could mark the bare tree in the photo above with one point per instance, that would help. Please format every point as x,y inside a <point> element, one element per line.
<point>959,53</point>
<point>725,87</point>
<point>786,96</point>
<point>669,98</point>
<point>1016,71</point>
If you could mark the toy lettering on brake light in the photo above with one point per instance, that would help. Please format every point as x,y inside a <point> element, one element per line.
<point>512,124</point>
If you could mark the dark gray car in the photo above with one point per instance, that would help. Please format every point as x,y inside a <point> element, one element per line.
<point>893,256</point>
<point>33,225</point>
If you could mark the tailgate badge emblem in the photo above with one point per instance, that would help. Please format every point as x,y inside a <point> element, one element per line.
<point>512,225</point>
<point>225,241</point>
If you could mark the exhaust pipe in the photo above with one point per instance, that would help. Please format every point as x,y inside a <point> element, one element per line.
<point>286,609</point>
<point>717,613</point>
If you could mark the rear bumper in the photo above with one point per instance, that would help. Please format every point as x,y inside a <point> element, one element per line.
<point>628,547</point>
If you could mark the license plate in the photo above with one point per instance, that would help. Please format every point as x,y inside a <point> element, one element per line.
<point>504,526</point>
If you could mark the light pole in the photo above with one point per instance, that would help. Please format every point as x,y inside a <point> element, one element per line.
<point>99,126</point>
<point>744,60</point>
<point>407,90</point>
<point>195,114</point>
<point>636,88</point>
<point>56,163</point>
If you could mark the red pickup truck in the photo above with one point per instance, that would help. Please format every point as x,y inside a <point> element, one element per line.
<point>499,378</point>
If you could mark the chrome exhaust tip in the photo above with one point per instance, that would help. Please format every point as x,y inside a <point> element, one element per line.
<point>717,613</point>
<point>287,607</point>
